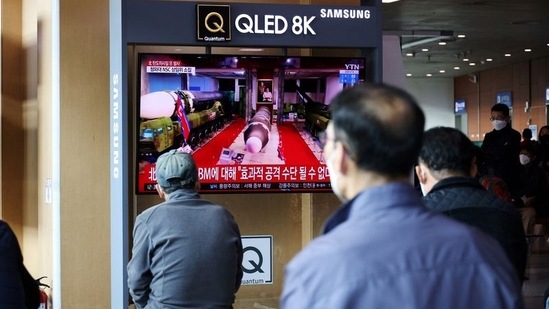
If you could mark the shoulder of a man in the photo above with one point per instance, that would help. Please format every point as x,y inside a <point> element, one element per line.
<point>309,283</point>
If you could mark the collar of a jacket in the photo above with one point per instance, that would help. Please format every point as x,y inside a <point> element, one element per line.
<point>456,182</point>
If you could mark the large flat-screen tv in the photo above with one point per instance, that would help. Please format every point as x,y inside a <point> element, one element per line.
<point>250,122</point>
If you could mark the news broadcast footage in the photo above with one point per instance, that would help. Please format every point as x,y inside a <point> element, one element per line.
<point>251,123</point>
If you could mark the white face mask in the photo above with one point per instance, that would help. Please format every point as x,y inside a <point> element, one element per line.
<point>499,124</point>
<point>524,159</point>
<point>422,189</point>
<point>334,177</point>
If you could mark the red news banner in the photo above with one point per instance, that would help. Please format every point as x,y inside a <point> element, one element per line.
<point>237,178</point>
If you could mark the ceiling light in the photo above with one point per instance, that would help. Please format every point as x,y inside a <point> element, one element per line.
<point>465,59</point>
<point>472,63</point>
<point>442,43</point>
<point>428,74</point>
<point>456,68</point>
<point>461,36</point>
<point>507,55</point>
<point>425,49</point>
<point>528,50</point>
<point>488,59</point>
<point>408,74</point>
<point>389,1</point>
<point>442,71</point>
<point>409,54</point>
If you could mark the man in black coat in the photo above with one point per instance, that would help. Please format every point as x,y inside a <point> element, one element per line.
<point>17,287</point>
<point>446,170</point>
<point>501,148</point>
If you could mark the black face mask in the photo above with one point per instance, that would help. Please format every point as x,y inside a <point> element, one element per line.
<point>544,139</point>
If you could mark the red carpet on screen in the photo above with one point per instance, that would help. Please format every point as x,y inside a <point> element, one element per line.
<point>292,147</point>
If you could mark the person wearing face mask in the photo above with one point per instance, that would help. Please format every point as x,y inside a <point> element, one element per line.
<point>382,248</point>
<point>446,171</point>
<point>501,147</point>
<point>533,196</point>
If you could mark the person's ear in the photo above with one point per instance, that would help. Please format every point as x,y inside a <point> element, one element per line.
<point>474,168</point>
<point>421,172</point>
<point>341,158</point>
<point>160,191</point>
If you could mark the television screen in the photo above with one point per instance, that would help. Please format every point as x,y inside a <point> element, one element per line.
<point>250,122</point>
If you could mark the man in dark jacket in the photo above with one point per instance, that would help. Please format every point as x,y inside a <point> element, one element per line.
<point>17,287</point>
<point>501,147</point>
<point>446,173</point>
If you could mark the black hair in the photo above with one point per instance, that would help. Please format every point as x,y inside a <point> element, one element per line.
<point>447,149</point>
<point>530,148</point>
<point>500,107</point>
<point>541,130</point>
<point>527,133</point>
<point>381,127</point>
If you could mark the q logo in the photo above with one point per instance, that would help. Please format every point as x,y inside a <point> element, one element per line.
<point>218,22</point>
<point>213,22</point>
<point>257,259</point>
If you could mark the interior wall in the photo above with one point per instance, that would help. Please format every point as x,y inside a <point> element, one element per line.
<point>13,95</point>
<point>42,264</point>
<point>466,88</point>
<point>30,128</point>
<point>84,154</point>
<point>526,81</point>
<point>435,96</point>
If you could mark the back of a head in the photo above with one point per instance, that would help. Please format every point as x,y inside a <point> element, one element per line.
<point>500,107</point>
<point>176,170</point>
<point>527,134</point>
<point>447,149</point>
<point>381,126</point>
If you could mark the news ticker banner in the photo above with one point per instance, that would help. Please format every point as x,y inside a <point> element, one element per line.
<point>248,178</point>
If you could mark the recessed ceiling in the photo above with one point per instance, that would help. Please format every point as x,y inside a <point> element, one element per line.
<point>492,28</point>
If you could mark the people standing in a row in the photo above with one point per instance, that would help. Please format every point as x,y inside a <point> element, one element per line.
<point>382,248</point>
<point>522,165</point>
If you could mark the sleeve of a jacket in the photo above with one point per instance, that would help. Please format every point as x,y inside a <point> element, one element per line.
<point>139,273</point>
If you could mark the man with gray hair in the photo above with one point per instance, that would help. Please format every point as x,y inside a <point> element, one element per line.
<point>187,252</point>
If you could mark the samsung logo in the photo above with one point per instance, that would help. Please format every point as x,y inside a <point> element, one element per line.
<point>345,13</point>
